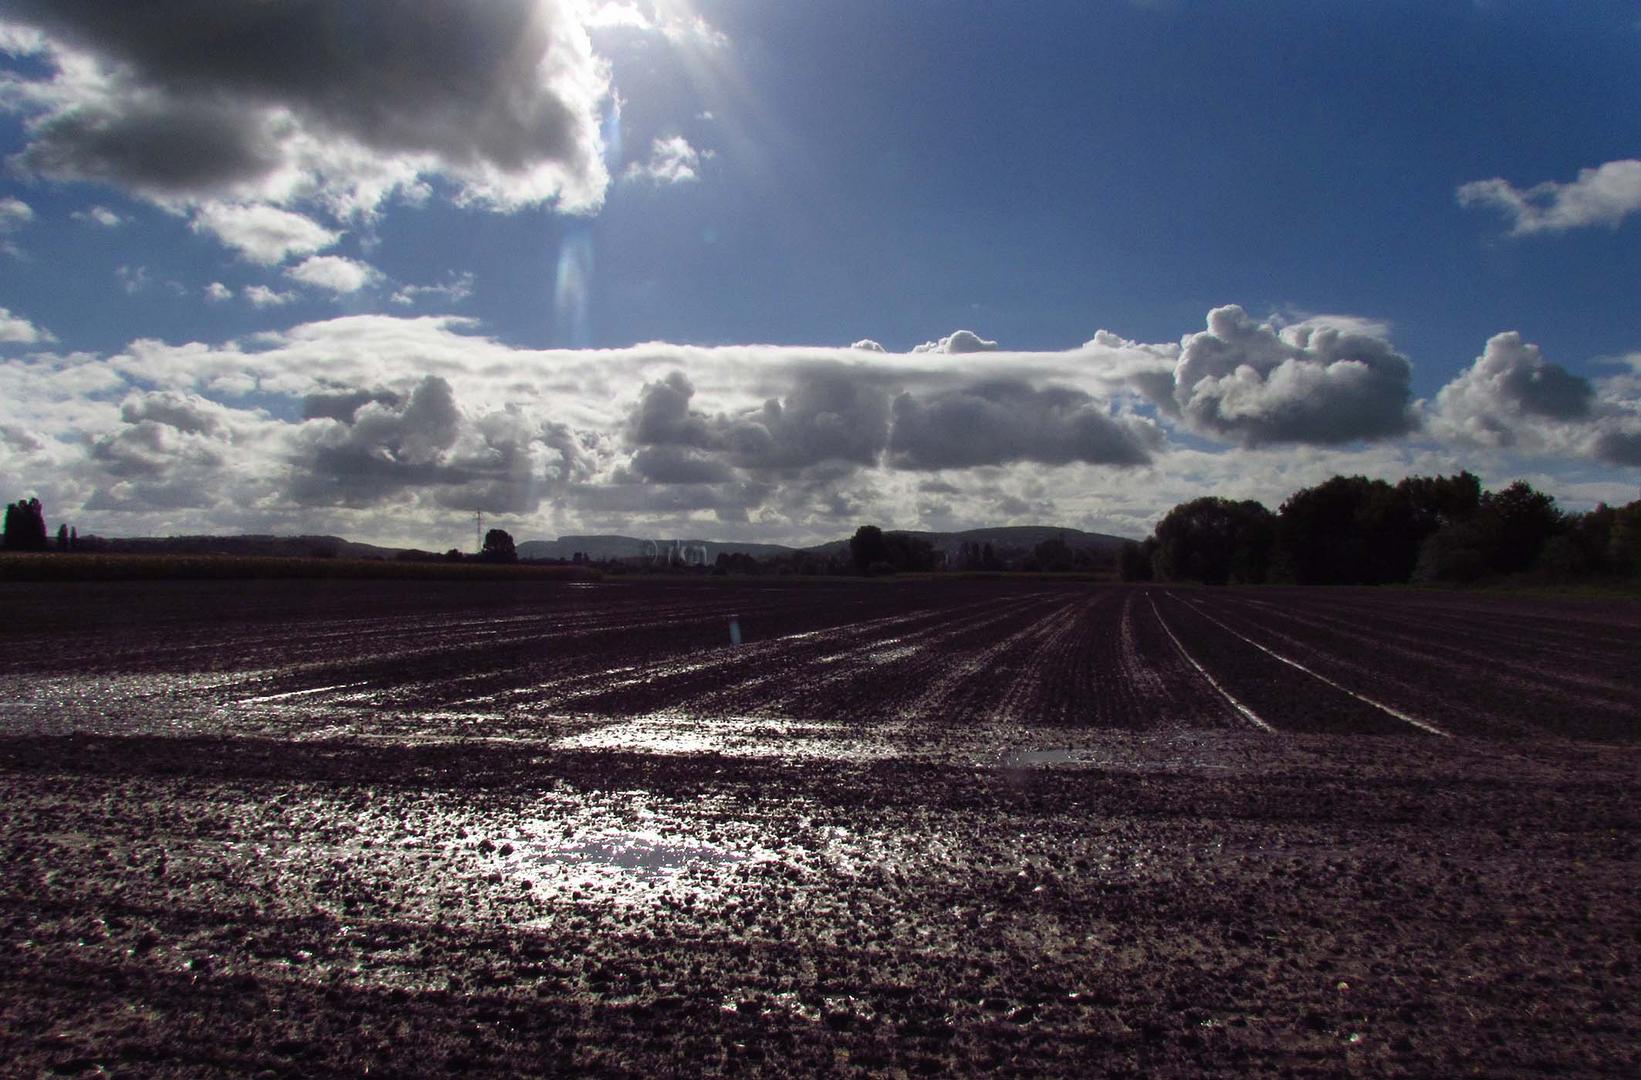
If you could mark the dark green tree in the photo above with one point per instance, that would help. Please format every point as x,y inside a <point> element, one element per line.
<point>1508,533</point>
<point>498,547</point>
<point>1516,523</point>
<point>1582,547</point>
<point>1438,500</point>
<point>25,526</point>
<point>1214,541</point>
<point>868,547</point>
<point>1321,530</point>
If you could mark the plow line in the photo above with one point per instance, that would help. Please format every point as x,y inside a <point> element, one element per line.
<point>1248,713</point>
<point>1422,725</point>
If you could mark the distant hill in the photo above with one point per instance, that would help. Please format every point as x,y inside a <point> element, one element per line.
<point>333,547</point>
<point>1015,539</point>
<point>632,547</point>
<point>1004,539</point>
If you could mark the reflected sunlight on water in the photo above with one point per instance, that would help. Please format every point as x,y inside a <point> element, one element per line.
<point>670,732</point>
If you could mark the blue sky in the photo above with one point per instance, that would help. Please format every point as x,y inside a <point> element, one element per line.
<point>363,267</point>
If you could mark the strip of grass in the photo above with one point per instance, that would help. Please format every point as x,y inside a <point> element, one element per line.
<point>101,567</point>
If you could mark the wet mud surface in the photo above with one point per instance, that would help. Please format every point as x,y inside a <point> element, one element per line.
<point>902,829</point>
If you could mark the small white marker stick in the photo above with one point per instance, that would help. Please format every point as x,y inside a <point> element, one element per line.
<point>734,630</point>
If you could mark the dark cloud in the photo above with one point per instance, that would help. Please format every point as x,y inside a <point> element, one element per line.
<point>1002,421</point>
<point>677,465</point>
<point>1324,381</point>
<point>149,449</point>
<point>171,452</point>
<point>185,412</point>
<point>1619,447</point>
<point>831,413</point>
<point>496,470</point>
<point>840,417</point>
<point>384,450</point>
<point>147,496</point>
<point>1553,391</point>
<point>371,446</point>
<point>653,499</point>
<point>19,439</point>
<point>164,147</point>
<point>199,97</point>
<point>343,404</point>
<point>572,454</point>
<point>664,417</point>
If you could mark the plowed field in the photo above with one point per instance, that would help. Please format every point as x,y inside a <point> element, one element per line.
<point>895,827</point>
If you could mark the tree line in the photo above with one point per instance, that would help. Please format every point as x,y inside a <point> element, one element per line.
<point>25,529</point>
<point>1350,530</point>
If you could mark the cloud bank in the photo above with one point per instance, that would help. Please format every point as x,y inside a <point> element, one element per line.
<point>395,427</point>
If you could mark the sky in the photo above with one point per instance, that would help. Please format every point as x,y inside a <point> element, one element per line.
<point>756,270</point>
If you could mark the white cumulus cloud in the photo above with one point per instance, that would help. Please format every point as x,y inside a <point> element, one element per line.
<point>262,296</point>
<point>454,290</point>
<point>13,213</point>
<point>961,341</point>
<point>672,161</point>
<point>16,330</point>
<point>1604,195</point>
<point>1513,398</point>
<point>664,17</point>
<point>1325,380</point>
<point>263,234</point>
<point>334,272</point>
<point>99,215</point>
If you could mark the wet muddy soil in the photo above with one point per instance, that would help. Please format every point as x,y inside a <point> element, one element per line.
<point>898,831</point>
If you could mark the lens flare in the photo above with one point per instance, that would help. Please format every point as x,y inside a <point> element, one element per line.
<point>572,287</point>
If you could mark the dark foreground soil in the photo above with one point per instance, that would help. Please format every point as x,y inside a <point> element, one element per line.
<point>895,832</point>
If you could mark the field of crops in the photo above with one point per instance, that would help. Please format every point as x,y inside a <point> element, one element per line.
<point>314,826</point>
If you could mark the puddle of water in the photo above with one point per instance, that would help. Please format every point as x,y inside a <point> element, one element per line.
<point>646,856</point>
<point>636,862</point>
<point>669,732</point>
